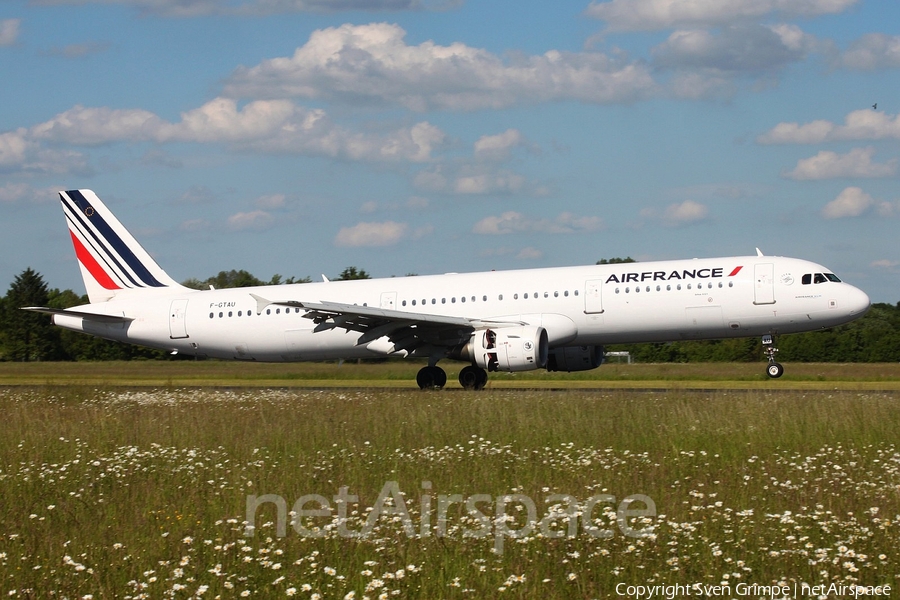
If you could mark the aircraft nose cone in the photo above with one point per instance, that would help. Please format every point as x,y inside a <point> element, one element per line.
<point>858,301</point>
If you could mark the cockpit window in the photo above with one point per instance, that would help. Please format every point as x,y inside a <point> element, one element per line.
<point>809,278</point>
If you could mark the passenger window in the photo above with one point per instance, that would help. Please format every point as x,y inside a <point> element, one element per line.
<point>443,301</point>
<point>566,293</point>
<point>515,296</point>
<point>627,290</point>
<point>500,297</point>
<point>484,298</point>
<point>403,303</point>
<point>575,292</point>
<point>668,288</point>
<point>525,296</point>
<point>211,315</point>
<point>462,299</point>
<point>546,295</point>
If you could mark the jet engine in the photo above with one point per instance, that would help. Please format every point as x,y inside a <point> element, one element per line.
<point>507,349</point>
<point>575,358</point>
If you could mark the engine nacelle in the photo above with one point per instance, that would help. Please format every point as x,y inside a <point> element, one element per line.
<point>508,349</point>
<point>575,358</point>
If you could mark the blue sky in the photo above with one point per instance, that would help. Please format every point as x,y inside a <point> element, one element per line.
<point>423,136</point>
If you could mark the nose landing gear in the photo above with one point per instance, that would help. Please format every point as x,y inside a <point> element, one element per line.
<point>774,370</point>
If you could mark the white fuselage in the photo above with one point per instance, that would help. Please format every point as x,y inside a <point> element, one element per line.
<point>577,306</point>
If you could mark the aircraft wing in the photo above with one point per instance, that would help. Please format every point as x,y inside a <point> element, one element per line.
<point>407,331</point>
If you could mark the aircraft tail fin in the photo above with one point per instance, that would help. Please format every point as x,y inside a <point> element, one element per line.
<point>111,260</point>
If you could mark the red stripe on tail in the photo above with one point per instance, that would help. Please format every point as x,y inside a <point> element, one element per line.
<point>87,259</point>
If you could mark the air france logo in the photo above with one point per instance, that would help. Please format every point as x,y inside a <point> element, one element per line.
<point>679,275</point>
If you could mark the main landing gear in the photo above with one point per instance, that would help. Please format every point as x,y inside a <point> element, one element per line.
<point>774,370</point>
<point>473,378</point>
<point>433,377</point>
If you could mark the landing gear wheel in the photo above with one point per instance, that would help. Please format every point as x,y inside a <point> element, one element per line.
<point>774,370</point>
<point>472,378</point>
<point>431,378</point>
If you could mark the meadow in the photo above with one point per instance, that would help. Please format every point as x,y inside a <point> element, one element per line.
<point>141,491</point>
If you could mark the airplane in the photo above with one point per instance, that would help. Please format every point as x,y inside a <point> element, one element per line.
<point>558,319</point>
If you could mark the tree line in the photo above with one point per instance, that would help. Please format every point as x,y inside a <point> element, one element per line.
<point>28,336</point>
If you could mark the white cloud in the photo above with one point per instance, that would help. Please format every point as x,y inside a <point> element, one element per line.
<point>498,147</point>
<point>852,202</point>
<point>19,152</point>
<point>385,233</point>
<point>255,220</point>
<point>885,263</point>
<point>872,51</point>
<point>529,253</point>
<point>515,222</point>
<point>678,214</point>
<point>652,15</point>
<point>9,31</point>
<point>736,49</point>
<point>268,126</point>
<point>14,192</point>
<point>14,145</point>
<point>864,124</point>
<point>363,64</point>
<point>271,201</point>
<point>829,165</point>
<point>473,179</point>
<point>686,212</point>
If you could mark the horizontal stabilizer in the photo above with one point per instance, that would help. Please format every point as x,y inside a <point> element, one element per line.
<point>99,318</point>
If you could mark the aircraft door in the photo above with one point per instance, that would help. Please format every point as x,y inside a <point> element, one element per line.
<point>389,300</point>
<point>177,326</point>
<point>593,296</point>
<point>764,283</point>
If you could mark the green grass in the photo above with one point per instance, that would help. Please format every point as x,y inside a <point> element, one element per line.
<point>120,492</point>
<point>402,373</point>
